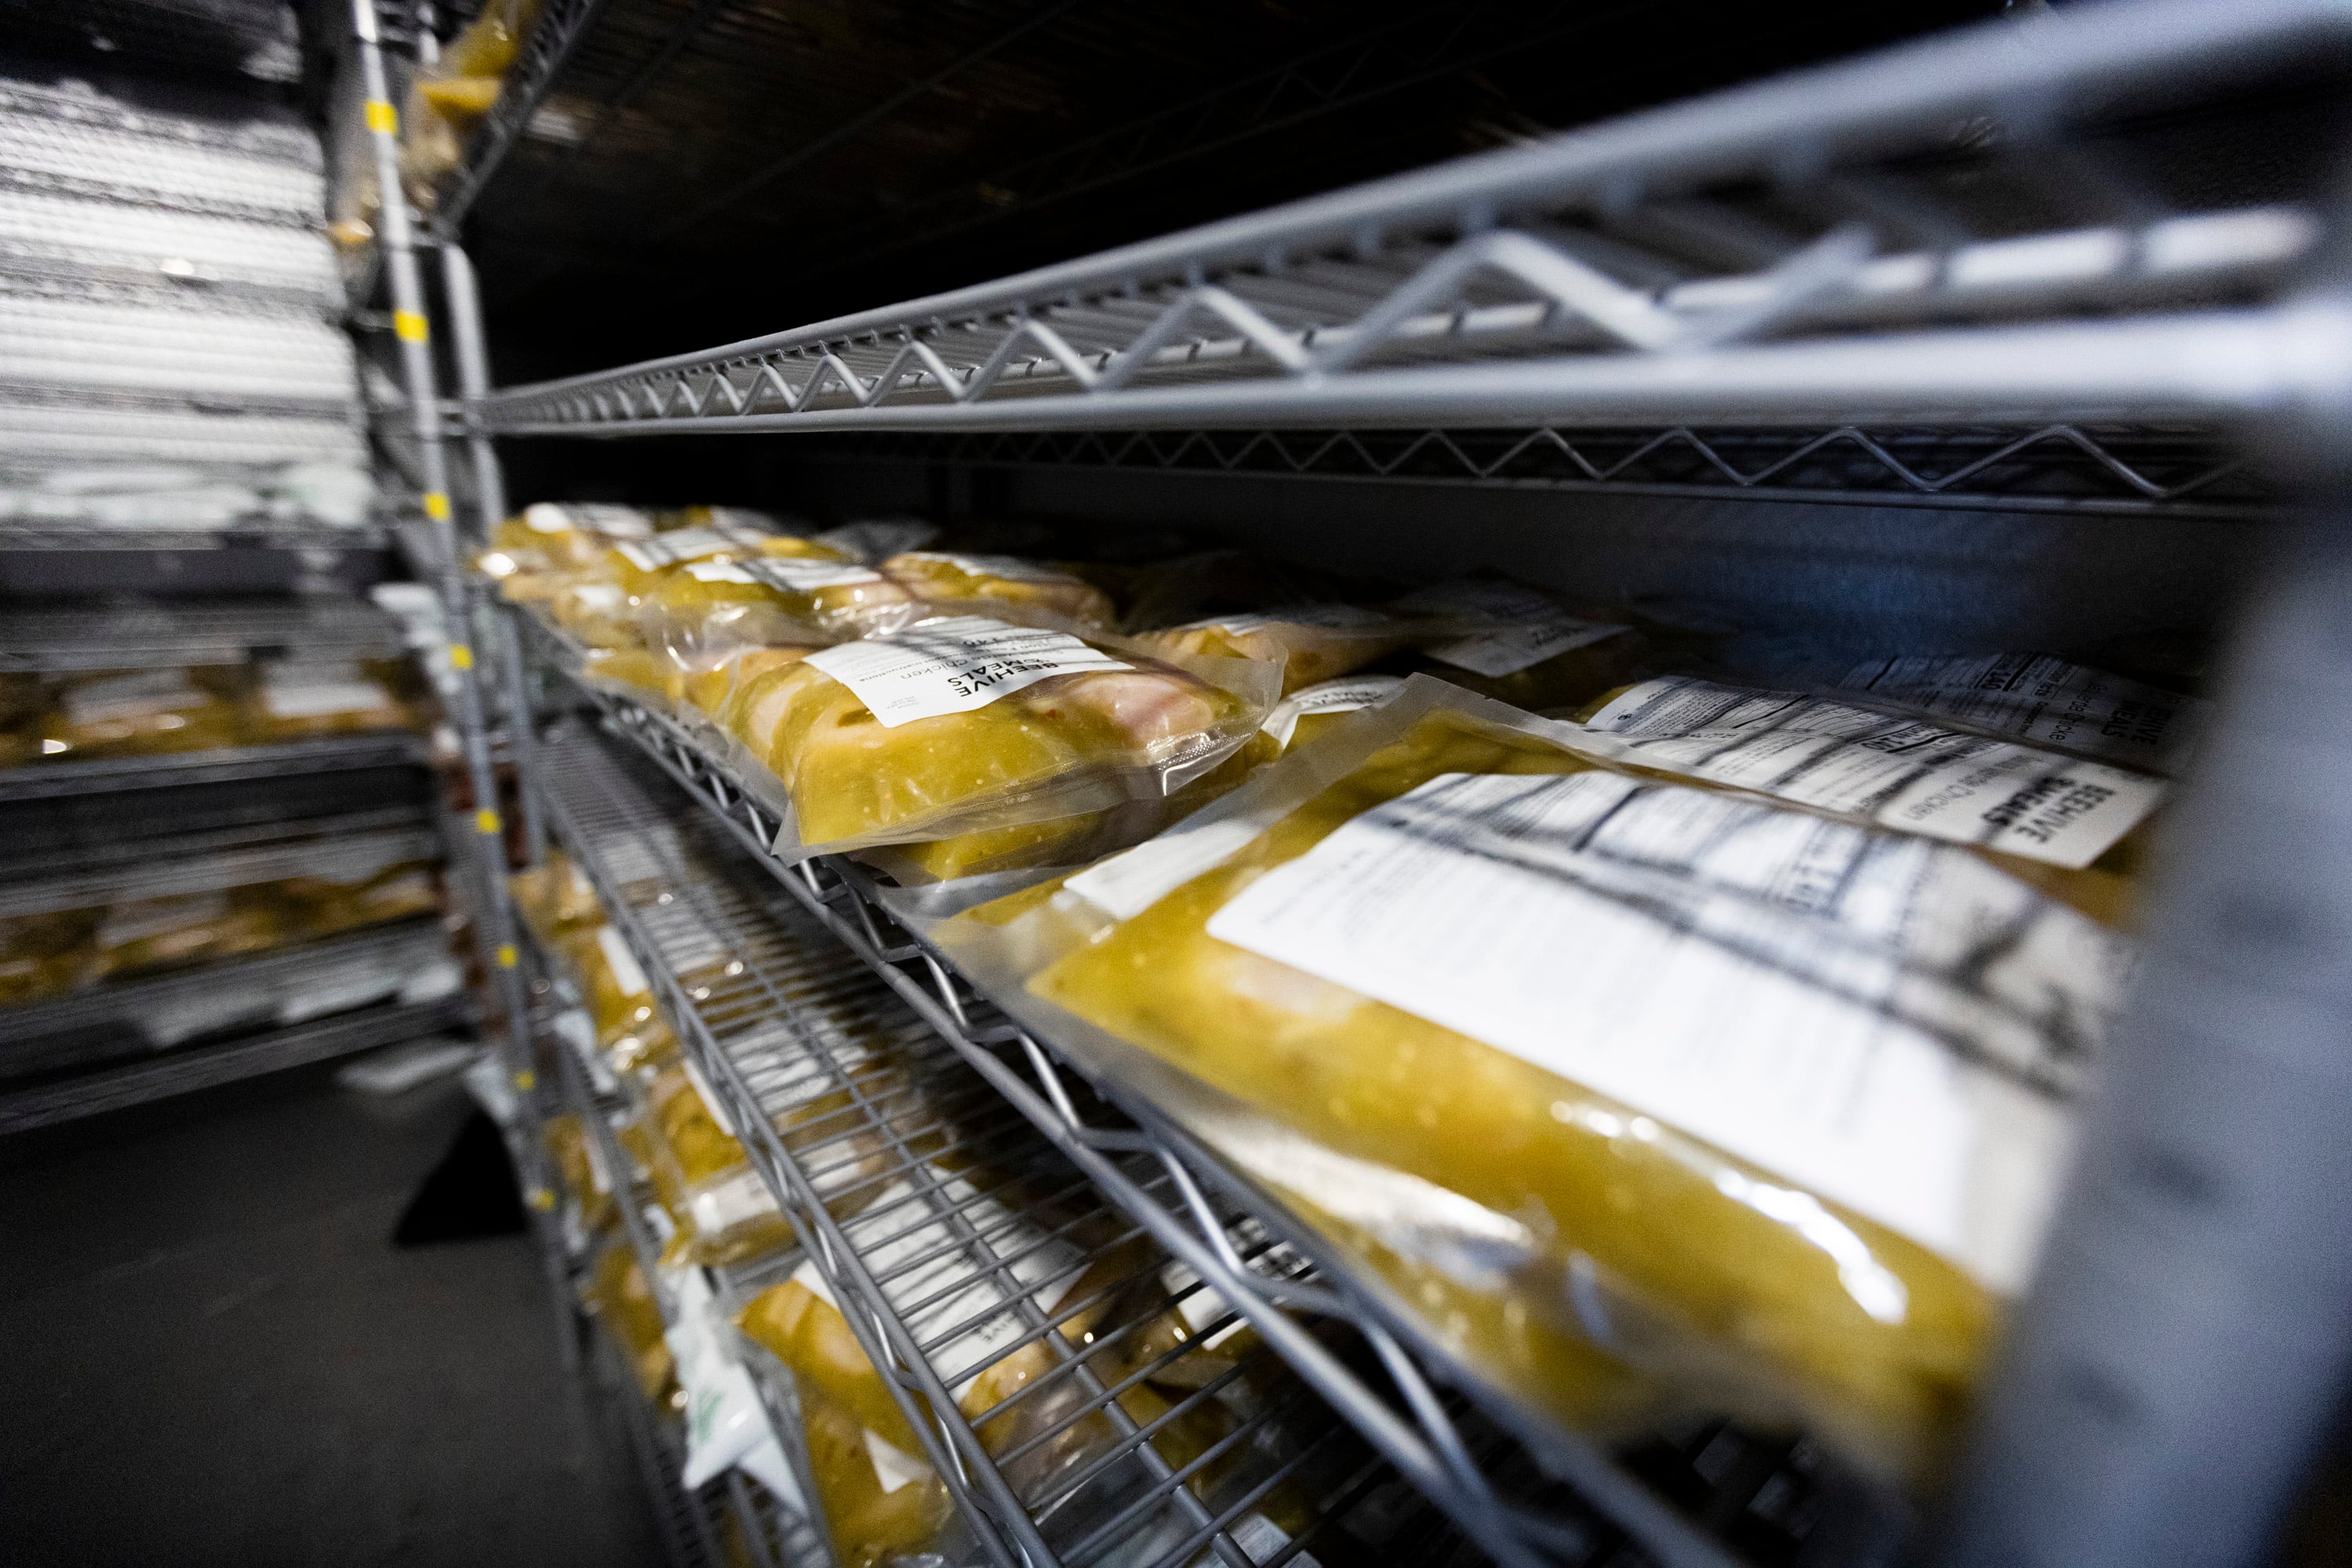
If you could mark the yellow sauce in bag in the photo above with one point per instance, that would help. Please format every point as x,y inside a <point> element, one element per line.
<point>1313,644</point>
<point>851,776</point>
<point>1669,1222</point>
<point>871,1521</point>
<point>944,578</point>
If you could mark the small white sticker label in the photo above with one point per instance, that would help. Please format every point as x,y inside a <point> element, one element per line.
<point>626,974</point>
<point>1903,773</point>
<point>1874,1063</point>
<point>132,697</point>
<point>1522,628</point>
<point>1345,695</point>
<point>953,665</point>
<point>893,1466</point>
<point>667,550</point>
<point>2037,697</point>
<point>801,575</point>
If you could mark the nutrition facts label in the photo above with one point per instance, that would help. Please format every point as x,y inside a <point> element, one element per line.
<point>2037,697</point>
<point>953,665</point>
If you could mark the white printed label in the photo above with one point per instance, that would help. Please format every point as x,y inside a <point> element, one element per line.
<point>953,665</point>
<point>1902,774</point>
<point>1345,695</point>
<point>132,697</point>
<point>2035,697</point>
<point>317,691</point>
<point>1205,1311</point>
<point>127,923</point>
<point>613,521</point>
<point>731,1201</point>
<point>626,974</point>
<point>1011,568</point>
<point>893,1466</point>
<point>1518,626</point>
<point>802,574</point>
<point>666,550</point>
<point>1802,993</point>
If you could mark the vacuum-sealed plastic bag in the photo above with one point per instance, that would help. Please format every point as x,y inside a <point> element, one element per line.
<point>586,1180</point>
<point>873,541</point>
<point>528,552</point>
<point>725,1211</point>
<point>617,1289</point>
<point>1512,642</point>
<point>294,700</point>
<point>555,898</point>
<point>1000,583</point>
<point>46,954</point>
<point>879,1502</point>
<point>619,997</point>
<point>2074,827</point>
<point>2043,700</point>
<point>324,906</point>
<point>146,713</point>
<point>1313,643</point>
<point>1624,1083</point>
<point>451,94</point>
<point>965,724</point>
<point>187,927</point>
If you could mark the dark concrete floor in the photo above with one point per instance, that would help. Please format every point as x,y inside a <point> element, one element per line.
<point>210,1352</point>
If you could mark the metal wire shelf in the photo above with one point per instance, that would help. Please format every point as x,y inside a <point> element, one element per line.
<point>562,24</point>
<point>938,1257</point>
<point>136,1083</point>
<point>160,868</point>
<point>233,764</point>
<point>1566,1501</point>
<point>280,989</point>
<point>66,637</point>
<point>1967,224</point>
<point>2055,468</point>
<point>38,434</point>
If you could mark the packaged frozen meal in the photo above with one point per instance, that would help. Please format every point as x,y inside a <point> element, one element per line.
<point>291,700</point>
<point>145,713</point>
<point>1000,585</point>
<point>1641,1091</point>
<point>46,954</point>
<point>1518,645</point>
<point>724,1210</point>
<point>2043,699</point>
<point>187,927</point>
<point>962,724</point>
<point>1312,643</point>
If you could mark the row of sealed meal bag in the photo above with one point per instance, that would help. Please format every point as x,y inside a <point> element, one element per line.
<point>1658,1035</point>
<point>155,712</point>
<point>58,951</point>
<point>884,1146</point>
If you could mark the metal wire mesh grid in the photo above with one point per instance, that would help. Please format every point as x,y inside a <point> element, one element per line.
<point>81,144</point>
<point>1959,225</point>
<point>2059,468</point>
<point>65,637</point>
<point>962,1234</point>
<point>38,435</point>
<point>1524,1491</point>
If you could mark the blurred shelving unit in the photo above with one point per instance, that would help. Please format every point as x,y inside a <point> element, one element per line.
<point>2064,267</point>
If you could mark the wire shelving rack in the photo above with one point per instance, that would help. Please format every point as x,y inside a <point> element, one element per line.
<point>1953,263</point>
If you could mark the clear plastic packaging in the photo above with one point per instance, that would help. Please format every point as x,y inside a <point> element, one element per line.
<point>873,541</point>
<point>148,712</point>
<point>141,934</point>
<point>327,906</point>
<point>964,724</point>
<point>2042,700</point>
<point>724,1210</point>
<point>1518,645</point>
<point>584,1180</point>
<point>1000,585</point>
<point>1312,643</point>
<point>1641,1092</point>
<point>618,997</point>
<point>879,1503</point>
<point>449,96</point>
<point>555,898</point>
<point>46,954</point>
<point>293,700</point>
<point>617,1292</point>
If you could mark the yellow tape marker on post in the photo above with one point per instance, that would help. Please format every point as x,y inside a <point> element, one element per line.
<point>460,656</point>
<point>541,1198</point>
<point>526,1081</point>
<point>508,956</point>
<point>436,505</point>
<point>410,327</point>
<point>487,820</point>
<point>382,118</point>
